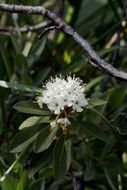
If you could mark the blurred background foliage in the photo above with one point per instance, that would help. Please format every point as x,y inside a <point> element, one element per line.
<point>26,62</point>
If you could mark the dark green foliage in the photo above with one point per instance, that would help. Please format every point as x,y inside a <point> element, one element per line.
<point>94,147</point>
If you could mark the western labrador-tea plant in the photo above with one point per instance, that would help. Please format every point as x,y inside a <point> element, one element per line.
<point>58,133</point>
<point>54,132</point>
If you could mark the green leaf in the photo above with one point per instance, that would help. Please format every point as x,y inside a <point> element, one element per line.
<point>90,9</point>
<point>117,97</point>
<point>108,147</point>
<point>93,83</point>
<point>35,120</point>
<point>89,173</point>
<point>39,161</point>
<point>68,147</point>
<point>38,184</point>
<point>73,67</point>
<point>23,70</point>
<point>23,145</point>
<point>103,118</point>
<point>42,75</point>
<point>109,50</point>
<point>36,52</point>
<point>23,139</point>
<point>20,87</point>
<point>92,129</point>
<point>96,102</point>
<point>109,179</point>
<point>6,60</point>
<point>113,5</point>
<point>16,43</point>
<point>60,164</point>
<point>22,182</point>
<point>8,183</point>
<point>45,139</point>
<point>31,108</point>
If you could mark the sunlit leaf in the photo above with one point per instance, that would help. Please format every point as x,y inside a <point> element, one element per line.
<point>20,87</point>
<point>22,182</point>
<point>96,102</point>
<point>24,138</point>
<point>45,139</point>
<point>31,108</point>
<point>8,183</point>
<point>34,121</point>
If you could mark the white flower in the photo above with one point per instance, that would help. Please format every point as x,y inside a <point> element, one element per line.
<point>60,93</point>
<point>40,101</point>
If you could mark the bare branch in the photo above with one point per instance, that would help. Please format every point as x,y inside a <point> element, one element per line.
<point>46,30</point>
<point>9,29</point>
<point>61,25</point>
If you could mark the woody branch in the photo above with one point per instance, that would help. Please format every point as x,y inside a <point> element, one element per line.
<point>67,29</point>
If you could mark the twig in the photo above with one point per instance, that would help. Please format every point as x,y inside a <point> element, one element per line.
<point>47,29</point>
<point>61,25</point>
<point>73,179</point>
<point>59,11</point>
<point>9,29</point>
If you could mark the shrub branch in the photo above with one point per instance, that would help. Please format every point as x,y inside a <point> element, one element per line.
<point>9,29</point>
<point>67,29</point>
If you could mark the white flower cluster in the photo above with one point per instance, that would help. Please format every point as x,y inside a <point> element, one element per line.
<point>60,93</point>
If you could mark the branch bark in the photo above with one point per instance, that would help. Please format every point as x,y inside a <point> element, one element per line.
<point>67,29</point>
<point>9,29</point>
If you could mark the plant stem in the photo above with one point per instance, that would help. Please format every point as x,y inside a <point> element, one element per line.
<point>73,179</point>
